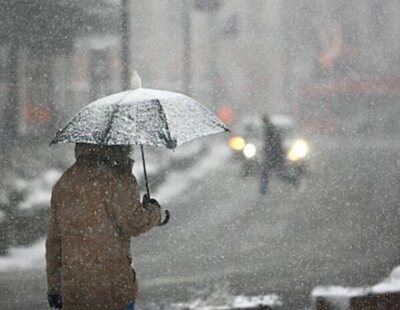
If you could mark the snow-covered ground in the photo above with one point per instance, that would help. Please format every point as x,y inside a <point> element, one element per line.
<point>179,181</point>
<point>340,296</point>
<point>390,284</point>
<point>23,258</point>
<point>38,191</point>
<point>233,302</point>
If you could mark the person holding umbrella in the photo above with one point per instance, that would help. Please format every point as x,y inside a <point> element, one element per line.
<point>95,204</point>
<point>95,209</point>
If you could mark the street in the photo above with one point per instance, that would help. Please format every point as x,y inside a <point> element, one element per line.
<point>340,227</point>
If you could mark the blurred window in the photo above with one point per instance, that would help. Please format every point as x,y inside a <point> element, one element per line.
<point>3,77</point>
<point>360,114</point>
<point>37,94</point>
<point>208,5</point>
<point>378,21</point>
<point>100,76</point>
<point>231,27</point>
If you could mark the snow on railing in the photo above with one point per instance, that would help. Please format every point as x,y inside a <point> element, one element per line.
<point>238,302</point>
<point>379,296</point>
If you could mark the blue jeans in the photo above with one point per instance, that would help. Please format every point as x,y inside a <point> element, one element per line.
<point>131,306</point>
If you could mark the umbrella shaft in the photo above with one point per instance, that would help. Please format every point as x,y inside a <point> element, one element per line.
<point>144,171</point>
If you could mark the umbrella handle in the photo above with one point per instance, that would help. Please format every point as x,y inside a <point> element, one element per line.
<point>166,220</point>
<point>145,172</point>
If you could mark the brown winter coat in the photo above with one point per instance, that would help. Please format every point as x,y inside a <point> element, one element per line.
<point>95,208</point>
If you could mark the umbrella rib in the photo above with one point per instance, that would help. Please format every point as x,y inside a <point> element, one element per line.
<point>111,120</point>
<point>137,120</point>
<point>171,143</point>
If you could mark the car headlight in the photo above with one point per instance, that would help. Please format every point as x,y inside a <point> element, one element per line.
<point>237,143</point>
<point>299,150</point>
<point>249,150</point>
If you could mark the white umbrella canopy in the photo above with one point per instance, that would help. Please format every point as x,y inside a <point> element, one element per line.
<point>141,117</point>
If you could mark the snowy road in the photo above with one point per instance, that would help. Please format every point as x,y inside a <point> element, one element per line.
<point>341,228</point>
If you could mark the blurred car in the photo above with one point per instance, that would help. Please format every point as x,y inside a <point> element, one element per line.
<point>246,144</point>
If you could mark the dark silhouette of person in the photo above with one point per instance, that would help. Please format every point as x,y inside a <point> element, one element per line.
<point>95,210</point>
<point>273,153</point>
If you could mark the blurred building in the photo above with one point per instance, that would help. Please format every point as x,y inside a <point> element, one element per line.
<point>234,49</point>
<point>257,55</point>
<point>238,56</point>
<point>351,83</point>
<point>359,35</point>
<point>54,55</point>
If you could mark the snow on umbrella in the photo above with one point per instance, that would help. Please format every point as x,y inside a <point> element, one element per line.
<point>141,117</point>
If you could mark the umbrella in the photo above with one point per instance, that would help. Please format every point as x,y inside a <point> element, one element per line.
<point>141,117</point>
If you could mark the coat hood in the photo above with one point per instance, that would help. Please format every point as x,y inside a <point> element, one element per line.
<point>114,155</point>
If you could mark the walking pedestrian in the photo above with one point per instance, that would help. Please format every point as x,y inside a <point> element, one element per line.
<point>273,153</point>
<point>95,209</point>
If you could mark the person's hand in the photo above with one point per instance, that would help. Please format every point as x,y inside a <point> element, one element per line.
<point>151,204</point>
<point>55,301</point>
<point>150,201</point>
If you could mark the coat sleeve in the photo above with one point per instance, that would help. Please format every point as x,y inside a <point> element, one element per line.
<point>132,217</point>
<point>53,251</point>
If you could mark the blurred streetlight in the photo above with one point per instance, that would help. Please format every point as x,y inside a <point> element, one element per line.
<point>187,47</point>
<point>125,44</point>
<point>212,7</point>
